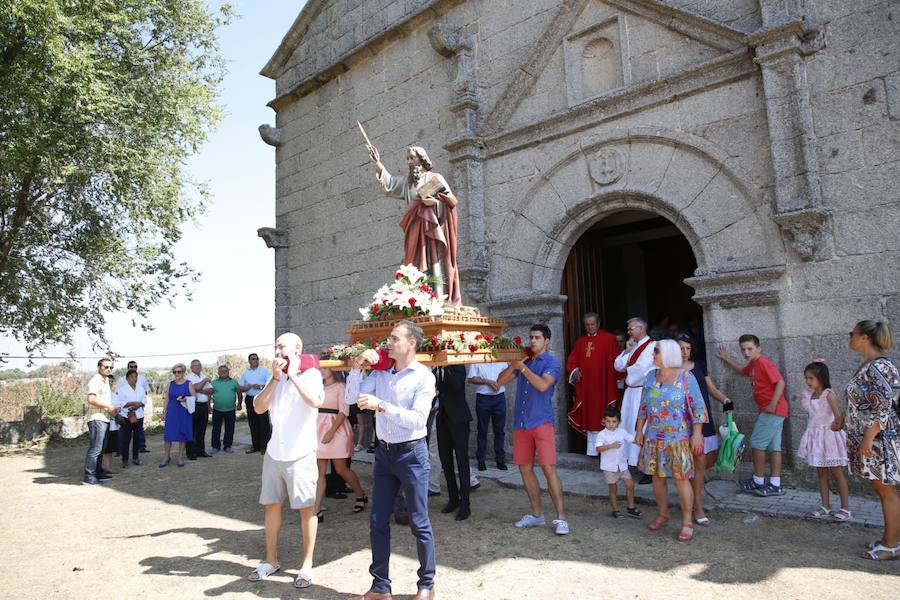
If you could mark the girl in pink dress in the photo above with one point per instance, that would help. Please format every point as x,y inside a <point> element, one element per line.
<point>824,443</point>
<point>335,442</point>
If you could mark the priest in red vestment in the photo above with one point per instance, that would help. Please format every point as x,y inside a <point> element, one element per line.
<point>590,368</point>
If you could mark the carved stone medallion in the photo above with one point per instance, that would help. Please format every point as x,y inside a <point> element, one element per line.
<point>607,165</point>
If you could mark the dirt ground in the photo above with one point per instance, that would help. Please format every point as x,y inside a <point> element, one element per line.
<point>196,532</point>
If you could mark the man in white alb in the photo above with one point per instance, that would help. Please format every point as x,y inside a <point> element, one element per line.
<point>635,361</point>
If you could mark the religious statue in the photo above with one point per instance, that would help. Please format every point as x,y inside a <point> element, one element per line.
<point>429,221</point>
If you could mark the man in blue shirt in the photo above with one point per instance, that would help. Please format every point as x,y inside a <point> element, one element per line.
<point>533,418</point>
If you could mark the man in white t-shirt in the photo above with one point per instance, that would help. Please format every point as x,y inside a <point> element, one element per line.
<point>490,405</point>
<point>98,410</point>
<point>200,418</point>
<point>289,468</point>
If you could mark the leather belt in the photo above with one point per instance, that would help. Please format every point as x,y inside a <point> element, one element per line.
<point>329,411</point>
<point>401,446</point>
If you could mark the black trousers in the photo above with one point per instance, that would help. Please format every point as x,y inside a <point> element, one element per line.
<point>453,440</point>
<point>199,419</point>
<point>219,417</point>
<point>260,427</point>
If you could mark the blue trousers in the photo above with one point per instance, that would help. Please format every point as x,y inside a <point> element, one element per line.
<point>489,408</point>
<point>97,430</point>
<point>395,470</point>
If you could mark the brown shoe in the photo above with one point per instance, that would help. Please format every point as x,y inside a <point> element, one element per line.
<point>370,595</point>
<point>424,595</point>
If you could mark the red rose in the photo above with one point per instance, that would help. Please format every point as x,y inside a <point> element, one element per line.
<point>517,340</point>
<point>434,294</point>
<point>489,337</point>
<point>425,288</point>
<point>412,301</point>
<point>375,308</point>
<point>478,337</point>
<point>472,347</point>
<point>384,302</point>
<point>435,341</point>
<point>462,337</point>
<point>398,275</point>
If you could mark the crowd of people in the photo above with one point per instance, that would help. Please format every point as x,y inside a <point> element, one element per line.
<point>645,409</point>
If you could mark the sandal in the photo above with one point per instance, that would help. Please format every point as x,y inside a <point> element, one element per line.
<point>821,513</point>
<point>617,515</point>
<point>360,504</point>
<point>165,464</point>
<point>635,512</point>
<point>687,532</point>
<point>842,515</point>
<point>320,516</point>
<point>263,571</point>
<point>303,579</point>
<point>872,554</point>
<point>704,520</point>
<point>658,523</point>
<point>871,545</point>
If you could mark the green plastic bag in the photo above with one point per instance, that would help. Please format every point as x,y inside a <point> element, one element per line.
<point>732,445</point>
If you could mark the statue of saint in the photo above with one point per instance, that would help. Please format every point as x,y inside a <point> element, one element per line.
<point>429,222</point>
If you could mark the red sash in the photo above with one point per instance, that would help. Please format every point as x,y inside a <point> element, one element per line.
<point>635,356</point>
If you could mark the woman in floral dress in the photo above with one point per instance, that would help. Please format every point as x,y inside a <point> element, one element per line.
<point>673,409</point>
<point>873,446</point>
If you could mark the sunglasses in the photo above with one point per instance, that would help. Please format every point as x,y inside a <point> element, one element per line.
<point>177,371</point>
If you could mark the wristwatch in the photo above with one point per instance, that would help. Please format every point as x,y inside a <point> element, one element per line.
<point>522,370</point>
<point>381,405</point>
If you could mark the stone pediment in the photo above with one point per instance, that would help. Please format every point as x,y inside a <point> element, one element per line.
<point>329,36</point>
<point>599,47</point>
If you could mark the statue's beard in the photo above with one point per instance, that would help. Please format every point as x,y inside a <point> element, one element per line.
<point>416,172</point>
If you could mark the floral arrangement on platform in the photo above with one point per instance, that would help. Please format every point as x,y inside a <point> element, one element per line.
<point>457,341</point>
<point>411,294</point>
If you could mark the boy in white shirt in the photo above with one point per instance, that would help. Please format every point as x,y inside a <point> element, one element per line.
<point>614,461</point>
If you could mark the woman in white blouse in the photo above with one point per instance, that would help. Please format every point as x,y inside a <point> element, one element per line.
<point>130,399</point>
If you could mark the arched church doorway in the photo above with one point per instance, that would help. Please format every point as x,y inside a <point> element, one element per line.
<point>631,263</point>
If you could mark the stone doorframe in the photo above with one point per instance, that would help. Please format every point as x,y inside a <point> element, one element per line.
<point>738,247</point>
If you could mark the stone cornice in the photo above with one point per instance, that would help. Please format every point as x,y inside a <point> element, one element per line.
<point>752,287</point>
<point>730,67</point>
<point>795,35</point>
<point>274,238</point>
<point>526,306</point>
<point>365,49</point>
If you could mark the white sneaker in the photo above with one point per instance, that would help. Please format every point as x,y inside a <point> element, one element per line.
<point>562,528</point>
<point>531,521</point>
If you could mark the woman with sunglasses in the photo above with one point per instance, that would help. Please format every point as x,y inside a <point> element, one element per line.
<point>178,422</point>
<point>673,410</point>
<point>873,430</point>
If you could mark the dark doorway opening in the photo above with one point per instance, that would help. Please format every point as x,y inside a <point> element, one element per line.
<point>630,264</point>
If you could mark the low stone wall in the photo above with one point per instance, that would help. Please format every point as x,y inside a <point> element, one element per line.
<point>33,426</point>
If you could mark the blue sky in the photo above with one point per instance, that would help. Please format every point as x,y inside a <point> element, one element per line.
<point>233,304</point>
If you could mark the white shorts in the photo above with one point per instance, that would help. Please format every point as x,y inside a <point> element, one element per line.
<point>614,477</point>
<point>295,480</point>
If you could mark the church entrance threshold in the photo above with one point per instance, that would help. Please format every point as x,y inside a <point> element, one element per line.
<point>630,264</point>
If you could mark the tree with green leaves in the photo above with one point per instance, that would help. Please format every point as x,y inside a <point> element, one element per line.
<point>101,104</point>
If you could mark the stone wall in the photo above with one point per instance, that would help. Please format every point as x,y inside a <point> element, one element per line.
<point>766,131</point>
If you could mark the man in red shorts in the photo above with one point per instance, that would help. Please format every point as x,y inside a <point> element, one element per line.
<point>536,379</point>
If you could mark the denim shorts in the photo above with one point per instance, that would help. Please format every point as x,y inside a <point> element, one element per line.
<point>767,433</point>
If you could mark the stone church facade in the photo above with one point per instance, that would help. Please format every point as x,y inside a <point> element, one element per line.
<point>766,131</point>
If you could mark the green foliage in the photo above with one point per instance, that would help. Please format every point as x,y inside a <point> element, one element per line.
<point>57,390</point>
<point>101,104</point>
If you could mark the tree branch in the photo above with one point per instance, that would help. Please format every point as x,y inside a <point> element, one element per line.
<point>20,215</point>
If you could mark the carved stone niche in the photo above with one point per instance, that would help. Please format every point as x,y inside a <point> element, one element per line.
<point>593,58</point>
<point>807,232</point>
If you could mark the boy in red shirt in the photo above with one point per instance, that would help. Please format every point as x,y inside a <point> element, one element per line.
<point>768,393</point>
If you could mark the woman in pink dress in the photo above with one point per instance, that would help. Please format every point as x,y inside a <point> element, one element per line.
<point>335,442</point>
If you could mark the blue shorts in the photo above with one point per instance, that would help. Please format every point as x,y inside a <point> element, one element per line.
<point>767,433</point>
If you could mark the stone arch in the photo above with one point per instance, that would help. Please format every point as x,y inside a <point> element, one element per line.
<point>676,175</point>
